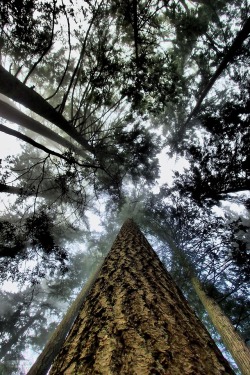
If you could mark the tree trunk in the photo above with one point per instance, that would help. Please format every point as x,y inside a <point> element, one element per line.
<point>136,321</point>
<point>54,344</point>
<point>16,90</point>
<point>230,337</point>
<point>30,141</point>
<point>13,114</point>
<point>10,189</point>
<point>228,58</point>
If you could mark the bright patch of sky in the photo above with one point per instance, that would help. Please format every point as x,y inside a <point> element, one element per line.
<point>236,209</point>
<point>94,221</point>
<point>167,167</point>
<point>9,286</point>
<point>8,145</point>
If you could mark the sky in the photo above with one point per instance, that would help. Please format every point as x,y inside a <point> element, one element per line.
<point>10,146</point>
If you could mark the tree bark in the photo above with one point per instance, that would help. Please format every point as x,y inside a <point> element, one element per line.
<point>53,346</point>
<point>136,321</point>
<point>230,337</point>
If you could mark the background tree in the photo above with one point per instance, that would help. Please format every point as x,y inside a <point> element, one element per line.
<point>114,86</point>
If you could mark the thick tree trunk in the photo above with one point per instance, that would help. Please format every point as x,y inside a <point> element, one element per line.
<point>136,321</point>
<point>230,337</point>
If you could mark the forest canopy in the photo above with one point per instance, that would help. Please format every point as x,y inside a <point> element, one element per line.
<point>95,94</point>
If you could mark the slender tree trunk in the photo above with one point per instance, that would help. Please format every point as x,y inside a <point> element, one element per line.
<point>24,191</point>
<point>13,114</point>
<point>228,58</point>
<point>16,90</point>
<point>10,189</point>
<point>230,337</point>
<point>136,321</point>
<point>29,140</point>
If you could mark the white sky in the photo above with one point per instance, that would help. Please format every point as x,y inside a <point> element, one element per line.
<point>167,165</point>
<point>8,145</point>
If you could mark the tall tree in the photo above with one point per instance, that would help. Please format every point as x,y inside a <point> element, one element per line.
<point>168,226</point>
<point>135,320</point>
<point>230,337</point>
<point>103,77</point>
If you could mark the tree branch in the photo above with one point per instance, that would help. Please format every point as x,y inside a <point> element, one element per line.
<point>228,58</point>
<point>46,49</point>
<point>13,114</point>
<point>16,90</point>
<point>29,140</point>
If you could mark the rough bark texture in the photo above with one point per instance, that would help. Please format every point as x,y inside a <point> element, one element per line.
<point>230,337</point>
<point>54,344</point>
<point>136,321</point>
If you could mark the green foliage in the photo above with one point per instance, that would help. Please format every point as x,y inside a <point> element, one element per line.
<point>26,27</point>
<point>31,239</point>
<point>220,165</point>
<point>125,75</point>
